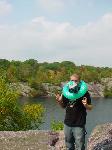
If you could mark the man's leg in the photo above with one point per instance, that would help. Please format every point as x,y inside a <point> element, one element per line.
<point>79,135</point>
<point>69,139</point>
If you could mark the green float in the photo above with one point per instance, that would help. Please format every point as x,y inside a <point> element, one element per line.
<point>72,96</point>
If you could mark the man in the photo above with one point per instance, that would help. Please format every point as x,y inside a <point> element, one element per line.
<point>75,118</point>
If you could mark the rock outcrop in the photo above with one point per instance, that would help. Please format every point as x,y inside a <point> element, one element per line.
<point>101,138</point>
<point>107,82</point>
<point>51,89</point>
<point>32,140</point>
<point>95,89</point>
<point>23,89</point>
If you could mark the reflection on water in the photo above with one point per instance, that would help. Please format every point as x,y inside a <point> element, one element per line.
<point>101,113</point>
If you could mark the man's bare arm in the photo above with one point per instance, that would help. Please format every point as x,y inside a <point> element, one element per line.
<point>86,105</point>
<point>59,100</point>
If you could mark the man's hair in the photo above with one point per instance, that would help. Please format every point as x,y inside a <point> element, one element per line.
<point>75,75</point>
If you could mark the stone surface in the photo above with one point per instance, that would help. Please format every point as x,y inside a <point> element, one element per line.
<point>32,140</point>
<point>107,82</point>
<point>101,138</point>
<point>23,88</point>
<point>95,89</point>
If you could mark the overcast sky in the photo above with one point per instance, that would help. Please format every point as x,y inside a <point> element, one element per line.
<point>57,30</point>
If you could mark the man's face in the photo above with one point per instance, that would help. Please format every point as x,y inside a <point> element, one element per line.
<point>73,87</point>
<point>75,79</point>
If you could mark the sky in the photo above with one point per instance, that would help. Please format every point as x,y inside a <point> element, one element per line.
<point>57,30</point>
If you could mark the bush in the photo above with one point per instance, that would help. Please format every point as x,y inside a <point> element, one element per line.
<point>38,88</point>
<point>34,114</point>
<point>12,115</point>
<point>107,92</point>
<point>57,125</point>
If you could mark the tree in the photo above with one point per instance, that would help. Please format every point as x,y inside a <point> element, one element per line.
<point>12,73</point>
<point>4,64</point>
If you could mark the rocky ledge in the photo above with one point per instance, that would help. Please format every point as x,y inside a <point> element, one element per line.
<point>101,138</point>
<point>95,89</point>
<point>23,89</point>
<point>32,140</point>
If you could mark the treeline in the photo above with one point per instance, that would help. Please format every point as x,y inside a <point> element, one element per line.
<point>35,73</point>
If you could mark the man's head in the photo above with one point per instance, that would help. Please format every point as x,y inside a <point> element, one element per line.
<point>75,78</point>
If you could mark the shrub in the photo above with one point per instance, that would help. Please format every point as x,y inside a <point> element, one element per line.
<point>34,114</point>
<point>107,92</point>
<point>57,125</point>
<point>12,115</point>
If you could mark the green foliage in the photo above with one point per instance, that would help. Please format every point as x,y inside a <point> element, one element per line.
<point>57,125</point>
<point>12,73</point>
<point>107,92</point>
<point>35,73</point>
<point>9,110</point>
<point>4,63</point>
<point>38,88</point>
<point>51,72</point>
<point>52,66</point>
<point>12,115</point>
<point>34,114</point>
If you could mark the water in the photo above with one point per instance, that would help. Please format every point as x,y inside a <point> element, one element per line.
<point>101,113</point>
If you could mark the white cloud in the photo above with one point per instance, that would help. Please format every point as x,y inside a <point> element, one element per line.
<point>53,41</point>
<point>5,7</point>
<point>52,5</point>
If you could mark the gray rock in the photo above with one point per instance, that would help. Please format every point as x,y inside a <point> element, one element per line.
<point>107,82</point>
<point>32,140</point>
<point>23,88</point>
<point>101,138</point>
<point>95,89</point>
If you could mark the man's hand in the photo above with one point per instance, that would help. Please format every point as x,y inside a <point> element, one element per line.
<point>84,101</point>
<point>59,100</point>
<point>58,97</point>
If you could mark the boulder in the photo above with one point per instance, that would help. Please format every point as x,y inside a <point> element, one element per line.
<point>101,138</point>
<point>23,88</point>
<point>32,140</point>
